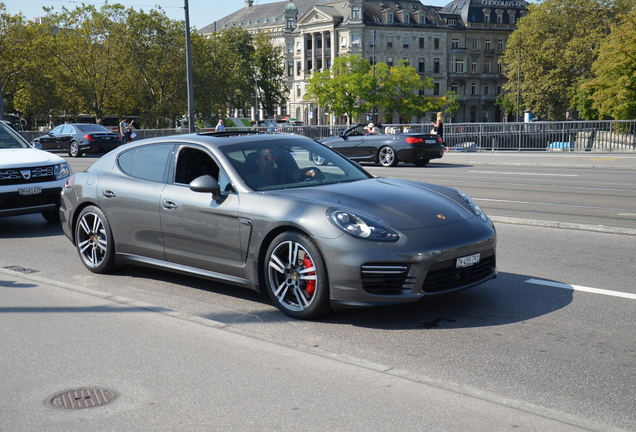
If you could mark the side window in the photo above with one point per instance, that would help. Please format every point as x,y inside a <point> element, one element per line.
<point>147,162</point>
<point>193,163</point>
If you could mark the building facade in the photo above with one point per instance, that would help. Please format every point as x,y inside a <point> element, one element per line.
<point>457,45</point>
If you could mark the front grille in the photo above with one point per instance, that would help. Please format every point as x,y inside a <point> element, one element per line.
<point>386,279</point>
<point>445,277</point>
<point>17,201</point>
<point>14,176</point>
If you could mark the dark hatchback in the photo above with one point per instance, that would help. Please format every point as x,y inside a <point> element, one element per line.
<point>79,138</point>
<point>386,149</point>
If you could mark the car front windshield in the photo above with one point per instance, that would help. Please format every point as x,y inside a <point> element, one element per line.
<point>9,139</point>
<point>284,164</point>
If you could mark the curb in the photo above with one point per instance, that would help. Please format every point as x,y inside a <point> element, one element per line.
<point>564,225</point>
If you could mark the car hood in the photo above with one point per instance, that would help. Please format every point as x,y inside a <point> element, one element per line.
<point>399,204</point>
<point>27,157</point>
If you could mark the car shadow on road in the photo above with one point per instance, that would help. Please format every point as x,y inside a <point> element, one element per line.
<point>28,226</point>
<point>505,300</point>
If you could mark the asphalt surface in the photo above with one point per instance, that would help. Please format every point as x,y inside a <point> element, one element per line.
<point>170,371</point>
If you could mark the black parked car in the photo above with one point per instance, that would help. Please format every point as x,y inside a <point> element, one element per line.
<point>79,138</point>
<point>386,149</point>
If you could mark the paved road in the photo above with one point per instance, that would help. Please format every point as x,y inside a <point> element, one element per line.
<point>173,370</point>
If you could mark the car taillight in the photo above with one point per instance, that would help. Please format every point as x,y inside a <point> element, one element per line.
<point>70,182</point>
<point>414,140</point>
<point>89,137</point>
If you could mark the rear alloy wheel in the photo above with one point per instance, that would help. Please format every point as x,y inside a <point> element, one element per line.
<point>296,276</point>
<point>94,240</point>
<point>73,149</point>
<point>387,157</point>
<point>421,162</point>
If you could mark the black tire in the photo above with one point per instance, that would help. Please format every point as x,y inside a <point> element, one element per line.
<point>52,216</point>
<point>94,241</point>
<point>73,149</point>
<point>421,162</point>
<point>295,276</point>
<point>387,157</point>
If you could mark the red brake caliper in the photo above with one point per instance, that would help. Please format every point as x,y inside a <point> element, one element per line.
<point>311,284</point>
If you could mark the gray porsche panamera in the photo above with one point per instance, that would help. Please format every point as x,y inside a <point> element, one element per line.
<point>254,210</point>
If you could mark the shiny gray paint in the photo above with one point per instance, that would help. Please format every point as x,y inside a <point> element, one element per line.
<point>225,239</point>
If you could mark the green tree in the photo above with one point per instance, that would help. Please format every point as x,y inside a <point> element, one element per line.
<point>400,90</point>
<point>345,88</point>
<point>269,73</point>
<point>553,47</point>
<point>612,91</point>
<point>237,47</point>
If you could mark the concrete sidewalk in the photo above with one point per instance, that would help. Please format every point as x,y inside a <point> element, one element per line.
<point>170,371</point>
<point>580,160</point>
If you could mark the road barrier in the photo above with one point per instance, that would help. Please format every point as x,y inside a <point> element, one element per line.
<point>599,136</point>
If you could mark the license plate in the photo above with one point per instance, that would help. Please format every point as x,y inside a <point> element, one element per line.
<point>30,191</point>
<point>467,261</point>
<point>430,141</point>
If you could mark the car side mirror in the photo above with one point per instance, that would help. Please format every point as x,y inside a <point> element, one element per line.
<point>207,184</point>
<point>36,145</point>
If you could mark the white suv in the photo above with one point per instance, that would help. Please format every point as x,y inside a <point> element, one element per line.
<point>31,180</point>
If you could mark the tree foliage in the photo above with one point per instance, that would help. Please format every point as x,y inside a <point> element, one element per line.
<point>553,49</point>
<point>613,89</point>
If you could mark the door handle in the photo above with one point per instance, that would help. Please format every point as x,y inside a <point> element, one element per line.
<point>169,204</point>
<point>108,193</point>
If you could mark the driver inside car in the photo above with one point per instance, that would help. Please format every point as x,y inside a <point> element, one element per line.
<point>269,174</point>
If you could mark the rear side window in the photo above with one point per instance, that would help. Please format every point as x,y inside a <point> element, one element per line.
<point>148,162</point>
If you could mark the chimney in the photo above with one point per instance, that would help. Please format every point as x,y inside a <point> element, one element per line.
<point>248,3</point>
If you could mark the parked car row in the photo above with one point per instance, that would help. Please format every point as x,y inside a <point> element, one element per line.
<point>79,138</point>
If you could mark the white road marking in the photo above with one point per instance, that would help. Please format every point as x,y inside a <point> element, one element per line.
<point>582,288</point>
<point>522,173</point>
<point>550,204</point>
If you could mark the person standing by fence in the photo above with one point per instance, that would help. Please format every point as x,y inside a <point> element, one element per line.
<point>438,127</point>
<point>123,130</point>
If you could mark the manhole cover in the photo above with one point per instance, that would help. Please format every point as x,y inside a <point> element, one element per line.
<point>21,269</point>
<point>83,398</point>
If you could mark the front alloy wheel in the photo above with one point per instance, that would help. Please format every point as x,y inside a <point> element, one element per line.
<point>387,157</point>
<point>94,240</point>
<point>296,276</point>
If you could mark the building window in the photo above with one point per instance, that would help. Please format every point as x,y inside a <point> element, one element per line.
<point>343,42</point>
<point>436,65</point>
<point>473,89</point>
<point>290,47</point>
<point>298,67</point>
<point>454,88</point>
<point>486,89</point>
<point>299,47</point>
<point>310,65</point>
<point>355,13</point>
<point>406,18</point>
<point>452,22</point>
<point>473,67</point>
<point>421,19</point>
<point>486,16</point>
<point>421,65</point>
<point>499,68</point>
<point>511,17</point>
<point>406,61</point>
<point>499,89</point>
<point>488,45</point>
<point>455,43</point>
<point>389,61</point>
<point>299,92</point>
<point>405,42</point>
<point>487,67</point>
<point>290,68</point>
<point>457,65</point>
<point>421,43</point>
<point>389,41</point>
<point>436,89</point>
<point>355,40</point>
<point>389,18</point>
<point>499,17</point>
<point>500,45</point>
<point>475,44</point>
<point>436,43</point>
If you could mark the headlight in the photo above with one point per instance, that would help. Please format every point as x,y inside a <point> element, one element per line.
<point>360,226</point>
<point>62,171</point>
<point>474,206</point>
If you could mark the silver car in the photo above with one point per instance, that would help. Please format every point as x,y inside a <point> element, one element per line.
<point>254,210</point>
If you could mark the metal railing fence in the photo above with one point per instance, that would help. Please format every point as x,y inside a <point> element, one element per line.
<point>599,136</point>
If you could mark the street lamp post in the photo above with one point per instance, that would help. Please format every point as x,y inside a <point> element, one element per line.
<point>189,69</point>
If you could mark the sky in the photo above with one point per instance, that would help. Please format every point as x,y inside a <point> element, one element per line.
<point>202,12</point>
